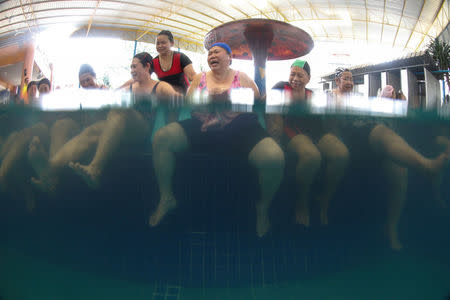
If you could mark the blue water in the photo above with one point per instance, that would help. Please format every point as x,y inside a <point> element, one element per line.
<point>89,244</point>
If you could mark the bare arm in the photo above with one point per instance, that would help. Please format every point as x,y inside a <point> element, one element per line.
<point>189,72</point>
<point>247,82</point>
<point>194,85</point>
<point>126,85</point>
<point>165,90</point>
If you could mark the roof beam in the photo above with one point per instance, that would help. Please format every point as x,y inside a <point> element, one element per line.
<point>333,9</point>
<point>239,10</point>
<point>115,23</point>
<point>196,36</point>
<point>92,18</point>
<point>417,22</point>
<point>193,45</point>
<point>422,28</point>
<point>278,11</point>
<point>68,16</point>
<point>353,20</point>
<point>149,22</point>
<point>384,15</point>
<point>25,16</point>
<point>33,16</point>
<point>399,23</point>
<point>147,6</point>
<point>217,10</point>
<point>434,19</point>
<point>185,24</point>
<point>260,11</point>
<point>207,24</point>
<point>313,9</point>
<point>300,14</point>
<point>123,10</point>
<point>173,4</point>
<point>296,9</point>
<point>348,10</point>
<point>367,22</point>
<point>148,28</point>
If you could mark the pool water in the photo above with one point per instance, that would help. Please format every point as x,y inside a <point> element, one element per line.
<point>96,244</point>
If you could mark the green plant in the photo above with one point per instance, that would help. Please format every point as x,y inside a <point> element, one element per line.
<point>106,82</point>
<point>440,52</point>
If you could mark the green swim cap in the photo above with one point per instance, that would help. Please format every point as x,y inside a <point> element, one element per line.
<point>303,65</point>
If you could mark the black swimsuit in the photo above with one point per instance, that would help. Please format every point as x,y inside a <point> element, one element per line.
<point>152,93</point>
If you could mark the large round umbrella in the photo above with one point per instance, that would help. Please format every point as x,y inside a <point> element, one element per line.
<point>261,39</point>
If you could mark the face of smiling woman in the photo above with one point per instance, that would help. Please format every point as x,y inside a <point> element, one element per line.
<point>298,78</point>
<point>345,82</point>
<point>163,44</point>
<point>139,72</point>
<point>87,81</point>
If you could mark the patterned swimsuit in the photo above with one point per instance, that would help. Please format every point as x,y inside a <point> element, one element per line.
<point>220,118</point>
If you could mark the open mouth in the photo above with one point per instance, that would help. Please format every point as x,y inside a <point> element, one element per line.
<point>213,63</point>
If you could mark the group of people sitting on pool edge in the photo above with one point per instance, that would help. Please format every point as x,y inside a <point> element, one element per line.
<point>222,132</point>
<point>35,88</point>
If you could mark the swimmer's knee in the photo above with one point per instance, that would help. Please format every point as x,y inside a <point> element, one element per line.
<point>333,149</point>
<point>378,133</point>
<point>305,150</point>
<point>341,153</point>
<point>118,118</point>
<point>311,157</point>
<point>95,129</point>
<point>267,153</point>
<point>169,136</point>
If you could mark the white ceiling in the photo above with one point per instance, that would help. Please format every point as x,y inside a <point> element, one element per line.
<point>407,24</point>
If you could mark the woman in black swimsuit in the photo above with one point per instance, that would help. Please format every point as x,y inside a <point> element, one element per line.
<point>125,127</point>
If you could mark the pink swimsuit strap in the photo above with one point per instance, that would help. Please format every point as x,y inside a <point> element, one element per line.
<point>234,84</point>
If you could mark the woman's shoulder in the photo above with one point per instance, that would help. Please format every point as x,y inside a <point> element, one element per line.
<point>240,75</point>
<point>245,80</point>
<point>280,85</point>
<point>179,53</point>
<point>161,85</point>
<point>183,57</point>
<point>164,89</point>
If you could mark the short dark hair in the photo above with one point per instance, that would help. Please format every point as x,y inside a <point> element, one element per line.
<point>307,68</point>
<point>44,81</point>
<point>167,33</point>
<point>31,83</point>
<point>86,69</point>
<point>145,58</point>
